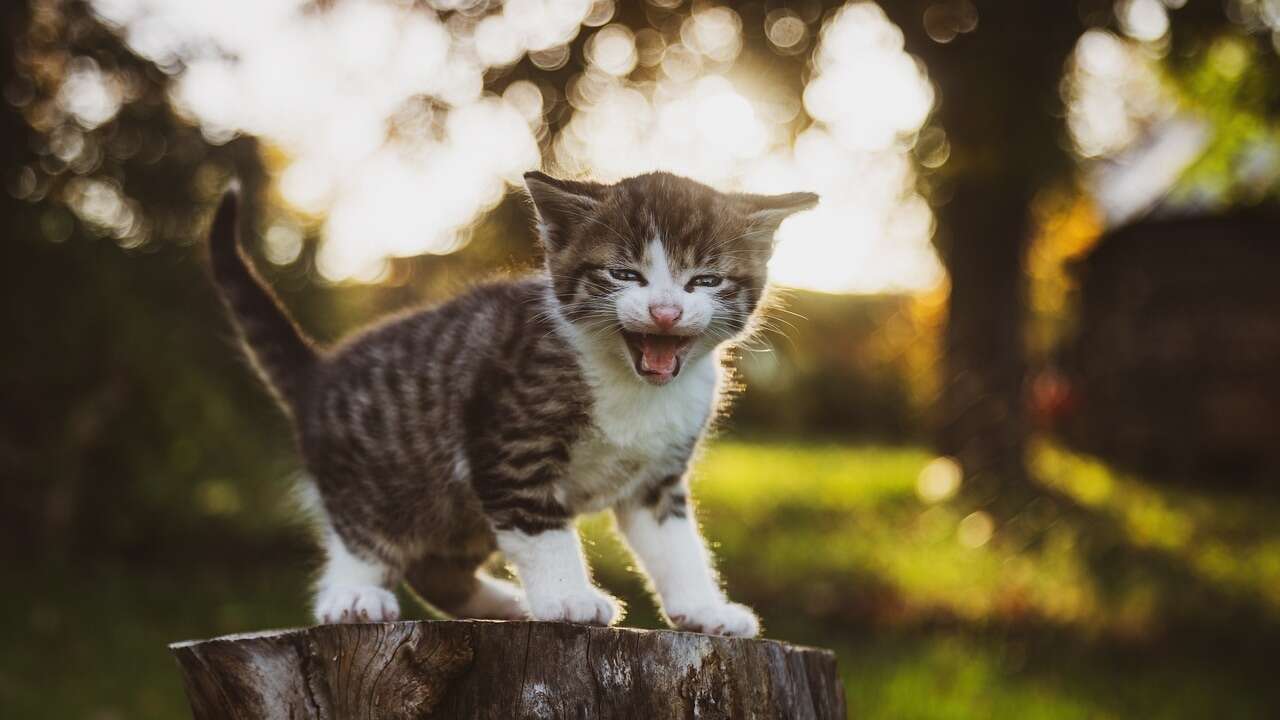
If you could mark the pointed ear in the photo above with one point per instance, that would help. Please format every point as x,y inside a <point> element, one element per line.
<point>766,212</point>
<point>560,203</point>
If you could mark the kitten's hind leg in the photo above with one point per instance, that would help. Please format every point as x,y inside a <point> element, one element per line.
<point>353,589</point>
<point>457,586</point>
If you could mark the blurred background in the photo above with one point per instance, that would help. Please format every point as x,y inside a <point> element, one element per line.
<point>1010,446</point>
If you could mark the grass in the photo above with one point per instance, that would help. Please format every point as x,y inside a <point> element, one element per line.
<point>1119,598</point>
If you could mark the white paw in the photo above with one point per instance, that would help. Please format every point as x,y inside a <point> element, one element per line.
<point>588,606</point>
<point>495,599</point>
<point>723,618</point>
<point>356,604</point>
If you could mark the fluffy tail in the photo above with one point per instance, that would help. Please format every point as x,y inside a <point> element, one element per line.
<point>282,355</point>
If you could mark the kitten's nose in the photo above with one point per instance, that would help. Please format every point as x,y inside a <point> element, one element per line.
<point>665,316</point>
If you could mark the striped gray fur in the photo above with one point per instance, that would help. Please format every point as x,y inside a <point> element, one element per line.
<point>431,431</point>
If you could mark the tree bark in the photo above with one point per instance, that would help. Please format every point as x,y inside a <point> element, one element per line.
<point>997,85</point>
<point>469,669</point>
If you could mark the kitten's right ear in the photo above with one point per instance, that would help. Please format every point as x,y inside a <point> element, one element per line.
<point>560,203</point>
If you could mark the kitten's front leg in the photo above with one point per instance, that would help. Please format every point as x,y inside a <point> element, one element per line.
<point>667,544</point>
<point>353,589</point>
<point>554,575</point>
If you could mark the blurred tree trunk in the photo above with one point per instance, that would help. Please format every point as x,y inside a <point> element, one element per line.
<point>13,20</point>
<point>998,104</point>
<point>14,219</point>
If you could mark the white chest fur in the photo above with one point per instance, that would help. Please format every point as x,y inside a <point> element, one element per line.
<point>633,414</point>
<point>637,430</point>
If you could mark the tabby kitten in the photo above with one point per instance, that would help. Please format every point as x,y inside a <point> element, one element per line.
<point>491,421</point>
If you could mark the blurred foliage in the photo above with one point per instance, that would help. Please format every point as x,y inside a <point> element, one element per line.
<point>1068,225</point>
<point>1235,87</point>
<point>113,446</point>
<point>838,366</point>
<point>1227,72</point>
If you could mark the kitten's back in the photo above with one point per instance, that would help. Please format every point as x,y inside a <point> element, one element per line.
<point>410,367</point>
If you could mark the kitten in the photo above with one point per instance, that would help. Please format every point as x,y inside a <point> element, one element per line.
<point>491,421</point>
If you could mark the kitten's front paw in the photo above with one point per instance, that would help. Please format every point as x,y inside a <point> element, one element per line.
<point>356,604</point>
<point>724,618</point>
<point>585,607</point>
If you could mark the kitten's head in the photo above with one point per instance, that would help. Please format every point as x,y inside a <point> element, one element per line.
<point>657,270</point>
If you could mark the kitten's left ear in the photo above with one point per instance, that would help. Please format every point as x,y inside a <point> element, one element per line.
<point>766,212</point>
<point>560,203</point>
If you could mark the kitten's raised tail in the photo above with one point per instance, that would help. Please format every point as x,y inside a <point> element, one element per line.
<point>283,356</point>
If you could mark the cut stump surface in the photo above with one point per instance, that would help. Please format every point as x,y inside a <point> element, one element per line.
<point>502,670</point>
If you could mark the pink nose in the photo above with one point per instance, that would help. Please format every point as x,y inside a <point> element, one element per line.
<point>665,316</point>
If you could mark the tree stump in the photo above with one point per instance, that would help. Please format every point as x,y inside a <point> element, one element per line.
<point>501,670</point>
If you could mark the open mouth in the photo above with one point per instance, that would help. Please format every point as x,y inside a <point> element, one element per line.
<point>657,358</point>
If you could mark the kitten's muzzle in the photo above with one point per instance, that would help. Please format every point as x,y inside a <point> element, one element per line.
<point>665,317</point>
<point>657,357</point>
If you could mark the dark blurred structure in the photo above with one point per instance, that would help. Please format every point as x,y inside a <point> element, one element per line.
<point>1173,370</point>
<point>1008,144</point>
<point>832,368</point>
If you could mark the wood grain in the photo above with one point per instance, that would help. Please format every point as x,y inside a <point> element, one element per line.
<point>470,669</point>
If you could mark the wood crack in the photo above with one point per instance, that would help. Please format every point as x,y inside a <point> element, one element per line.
<point>594,671</point>
<point>304,649</point>
<point>390,659</point>
<point>524,672</point>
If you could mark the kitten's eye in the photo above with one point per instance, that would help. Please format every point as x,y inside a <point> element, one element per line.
<point>625,275</point>
<point>708,281</point>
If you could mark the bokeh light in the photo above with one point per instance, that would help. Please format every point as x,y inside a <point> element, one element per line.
<point>704,120</point>
<point>1113,91</point>
<point>975,529</point>
<point>88,94</point>
<point>387,138</point>
<point>939,480</point>
<point>613,50</point>
<point>785,29</point>
<point>1146,20</point>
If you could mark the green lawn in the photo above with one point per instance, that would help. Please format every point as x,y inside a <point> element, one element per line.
<point>1119,599</point>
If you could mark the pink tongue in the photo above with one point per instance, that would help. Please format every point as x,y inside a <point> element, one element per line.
<point>658,354</point>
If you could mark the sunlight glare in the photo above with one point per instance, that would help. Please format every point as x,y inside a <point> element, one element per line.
<point>613,49</point>
<point>389,141</point>
<point>1145,20</point>
<point>1112,93</point>
<point>88,94</point>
